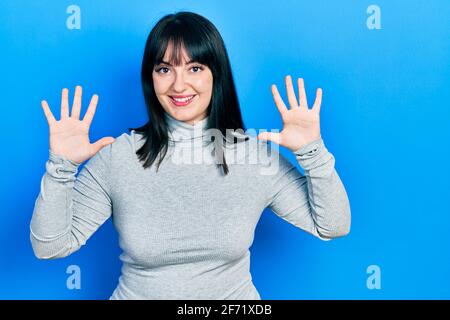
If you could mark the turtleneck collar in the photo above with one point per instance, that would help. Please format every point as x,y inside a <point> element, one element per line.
<point>180,131</point>
<point>197,136</point>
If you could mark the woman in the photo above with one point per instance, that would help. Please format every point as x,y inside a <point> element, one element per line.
<point>185,228</point>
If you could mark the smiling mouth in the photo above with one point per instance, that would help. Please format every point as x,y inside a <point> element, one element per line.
<point>182,101</point>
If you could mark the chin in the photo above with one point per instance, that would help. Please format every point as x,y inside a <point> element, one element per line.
<point>182,115</point>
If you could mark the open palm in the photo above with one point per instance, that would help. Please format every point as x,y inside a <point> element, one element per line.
<point>301,125</point>
<point>69,137</point>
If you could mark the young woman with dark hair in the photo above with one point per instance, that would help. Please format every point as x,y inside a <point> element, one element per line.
<point>185,226</point>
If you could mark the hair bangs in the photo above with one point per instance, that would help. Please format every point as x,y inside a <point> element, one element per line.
<point>179,36</point>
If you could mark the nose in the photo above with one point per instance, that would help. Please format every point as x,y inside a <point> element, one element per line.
<point>179,84</point>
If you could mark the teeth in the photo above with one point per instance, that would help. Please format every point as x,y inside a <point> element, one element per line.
<point>183,99</point>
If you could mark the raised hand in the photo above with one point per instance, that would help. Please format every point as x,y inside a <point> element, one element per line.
<point>301,125</point>
<point>69,137</point>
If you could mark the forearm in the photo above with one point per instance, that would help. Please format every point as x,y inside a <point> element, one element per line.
<point>51,222</point>
<point>328,200</point>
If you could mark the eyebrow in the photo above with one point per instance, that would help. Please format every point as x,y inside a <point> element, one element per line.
<point>166,62</point>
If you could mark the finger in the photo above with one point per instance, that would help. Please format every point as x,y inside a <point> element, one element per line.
<point>318,101</point>
<point>302,94</point>
<point>290,92</point>
<point>271,136</point>
<point>91,110</point>
<point>278,101</point>
<point>65,103</point>
<point>76,103</point>
<point>97,146</point>
<point>48,113</point>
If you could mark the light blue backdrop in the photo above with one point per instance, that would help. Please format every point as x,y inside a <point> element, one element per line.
<point>384,116</point>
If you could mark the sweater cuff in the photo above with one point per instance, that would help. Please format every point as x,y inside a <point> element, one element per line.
<point>309,149</point>
<point>61,168</point>
<point>312,154</point>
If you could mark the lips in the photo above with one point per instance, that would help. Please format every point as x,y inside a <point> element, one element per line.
<point>182,100</point>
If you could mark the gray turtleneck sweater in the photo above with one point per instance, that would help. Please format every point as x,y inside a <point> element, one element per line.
<point>185,230</point>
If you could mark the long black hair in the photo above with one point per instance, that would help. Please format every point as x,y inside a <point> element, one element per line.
<point>203,44</point>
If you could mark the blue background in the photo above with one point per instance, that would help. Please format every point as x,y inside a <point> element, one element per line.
<point>384,117</point>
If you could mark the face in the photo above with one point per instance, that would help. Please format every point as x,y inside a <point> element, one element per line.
<point>184,91</point>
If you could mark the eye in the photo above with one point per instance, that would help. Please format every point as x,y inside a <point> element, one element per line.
<point>162,68</point>
<point>197,67</point>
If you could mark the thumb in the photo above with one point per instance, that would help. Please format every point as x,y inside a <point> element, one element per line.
<point>99,144</point>
<point>271,136</point>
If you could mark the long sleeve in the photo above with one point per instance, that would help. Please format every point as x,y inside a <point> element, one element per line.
<point>69,209</point>
<point>315,202</point>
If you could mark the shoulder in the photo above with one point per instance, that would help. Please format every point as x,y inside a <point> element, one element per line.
<point>121,150</point>
<point>127,142</point>
<point>269,157</point>
<point>249,150</point>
